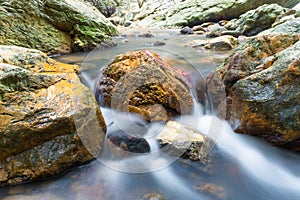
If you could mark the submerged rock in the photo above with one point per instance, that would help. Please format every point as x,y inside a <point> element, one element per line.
<point>183,141</point>
<point>143,83</point>
<point>262,80</point>
<point>53,26</point>
<point>49,121</point>
<point>213,190</point>
<point>255,21</point>
<point>153,196</point>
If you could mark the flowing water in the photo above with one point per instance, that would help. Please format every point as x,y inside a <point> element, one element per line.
<point>242,167</point>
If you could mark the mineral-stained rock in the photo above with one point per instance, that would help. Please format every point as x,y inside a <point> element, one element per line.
<point>255,21</point>
<point>141,82</point>
<point>53,26</point>
<point>262,80</point>
<point>49,121</point>
<point>178,139</point>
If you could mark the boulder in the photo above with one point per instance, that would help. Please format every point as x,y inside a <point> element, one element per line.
<point>262,81</point>
<point>128,142</point>
<point>215,31</point>
<point>291,26</point>
<point>53,26</point>
<point>184,141</point>
<point>49,121</point>
<point>106,7</point>
<point>254,21</point>
<point>222,43</point>
<point>142,82</point>
<point>194,12</point>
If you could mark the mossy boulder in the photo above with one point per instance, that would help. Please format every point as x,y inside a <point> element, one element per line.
<point>195,12</point>
<point>291,26</point>
<point>257,20</point>
<point>142,82</point>
<point>53,26</point>
<point>49,121</point>
<point>262,81</point>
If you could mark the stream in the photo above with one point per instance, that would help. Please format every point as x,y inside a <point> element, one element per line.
<point>242,167</point>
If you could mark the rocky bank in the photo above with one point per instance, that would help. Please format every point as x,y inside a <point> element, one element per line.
<point>54,26</point>
<point>49,121</point>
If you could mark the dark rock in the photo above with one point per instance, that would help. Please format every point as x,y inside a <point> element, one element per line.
<point>46,123</point>
<point>128,142</point>
<point>106,7</point>
<point>262,79</point>
<point>146,35</point>
<point>186,30</point>
<point>127,24</point>
<point>156,43</point>
<point>141,82</point>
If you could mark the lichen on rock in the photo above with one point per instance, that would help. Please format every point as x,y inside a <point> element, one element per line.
<point>142,82</point>
<point>54,27</point>
<point>262,81</point>
<point>49,121</point>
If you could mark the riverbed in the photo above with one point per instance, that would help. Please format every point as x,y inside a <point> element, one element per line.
<point>240,167</point>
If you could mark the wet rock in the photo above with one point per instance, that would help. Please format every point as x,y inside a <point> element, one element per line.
<point>207,24</point>
<point>175,13</point>
<point>53,26</point>
<point>199,32</point>
<point>181,140</point>
<point>106,7</point>
<point>291,26</point>
<point>223,22</point>
<point>199,28</point>
<point>128,142</point>
<point>255,21</point>
<point>156,43</point>
<point>221,43</point>
<point>262,79</point>
<point>49,121</point>
<point>213,190</point>
<point>143,83</point>
<point>153,196</point>
<point>215,31</point>
<point>232,33</point>
<point>186,30</point>
<point>146,35</point>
